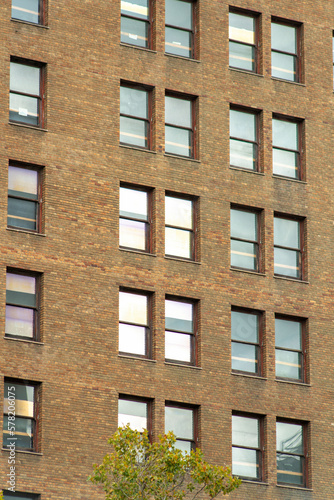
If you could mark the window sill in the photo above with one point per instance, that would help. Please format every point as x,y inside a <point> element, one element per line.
<point>182,57</point>
<point>295,280</point>
<point>25,341</point>
<point>239,70</point>
<point>20,21</point>
<point>136,358</point>
<point>141,252</point>
<point>288,81</point>
<point>257,377</point>
<point>26,452</point>
<point>180,259</point>
<point>281,381</point>
<point>179,157</point>
<point>255,482</point>
<point>31,127</point>
<point>25,231</point>
<point>294,487</point>
<point>145,49</point>
<point>179,365</point>
<point>128,146</point>
<point>246,170</point>
<point>281,177</point>
<point>247,271</point>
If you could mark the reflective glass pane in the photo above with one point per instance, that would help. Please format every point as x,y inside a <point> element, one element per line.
<point>244,357</point>
<point>245,326</point>
<point>20,283</point>
<point>180,421</point>
<point>24,78</point>
<point>132,339</point>
<point>135,8</point>
<point>23,394</point>
<point>179,13</point>
<point>285,134</point>
<point>23,181</point>
<point>285,163</point>
<point>178,141</point>
<point>245,463</point>
<point>23,433</point>
<point>242,56</point>
<point>288,364</point>
<point>178,111</point>
<point>178,243</point>
<point>245,431</point>
<point>242,125</point>
<point>283,66</point>
<point>243,225</point>
<point>243,254</point>
<point>24,109</point>
<point>243,154</point>
<point>8,495</point>
<point>133,308</point>
<point>288,334</point>
<point>289,469</point>
<point>286,262</point>
<point>286,233</point>
<point>19,321</point>
<point>133,132</point>
<point>178,42</point>
<point>134,102</point>
<point>284,38</point>
<point>185,446</point>
<point>22,213</point>
<point>134,31</point>
<point>241,28</point>
<point>289,438</point>
<point>179,316</point>
<point>178,346</point>
<point>178,212</point>
<point>133,203</point>
<point>132,234</point>
<point>133,413</point>
<point>26,10</point>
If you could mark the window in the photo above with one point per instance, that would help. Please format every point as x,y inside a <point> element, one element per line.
<point>179,33</point>
<point>21,305</point>
<point>179,127</point>
<point>245,239</point>
<point>134,323</point>
<point>243,41</point>
<point>135,116</point>
<point>135,218</point>
<point>25,412</point>
<point>134,411</point>
<point>135,22</point>
<point>179,230</point>
<point>8,495</point>
<point>26,92</point>
<point>243,139</point>
<point>291,453</point>
<point>247,447</point>
<point>285,51</point>
<point>245,328</point>
<point>24,197</point>
<point>289,348</point>
<point>180,330</point>
<point>28,10</point>
<point>288,247</point>
<point>286,148</point>
<point>182,420</point>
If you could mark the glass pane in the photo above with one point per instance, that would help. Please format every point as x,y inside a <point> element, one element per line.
<point>133,308</point>
<point>285,134</point>
<point>21,283</point>
<point>245,463</point>
<point>23,433</point>
<point>178,346</point>
<point>288,364</point>
<point>285,163</point>
<point>132,234</point>
<point>134,31</point>
<point>244,357</point>
<point>132,339</point>
<point>23,393</point>
<point>19,321</point>
<point>286,262</point>
<point>179,13</point>
<point>243,154</point>
<point>242,56</point>
<point>286,233</point>
<point>289,438</point>
<point>178,243</point>
<point>178,141</point>
<point>134,102</point>
<point>185,446</point>
<point>178,42</point>
<point>288,334</point>
<point>133,203</point>
<point>178,212</point>
<point>24,78</point>
<point>283,66</point>
<point>241,28</point>
<point>179,316</point>
<point>24,109</point>
<point>245,431</point>
<point>8,495</point>
<point>23,181</point>
<point>133,413</point>
<point>135,8</point>
<point>245,326</point>
<point>26,10</point>
<point>243,255</point>
<point>242,125</point>
<point>243,225</point>
<point>178,111</point>
<point>289,469</point>
<point>180,421</point>
<point>22,213</point>
<point>133,132</point>
<point>284,38</point>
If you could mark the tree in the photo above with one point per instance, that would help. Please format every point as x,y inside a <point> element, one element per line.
<point>140,470</point>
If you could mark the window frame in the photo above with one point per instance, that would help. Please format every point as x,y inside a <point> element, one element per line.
<point>256,143</point>
<point>148,120</point>
<point>38,201</point>
<point>192,32</point>
<point>260,450</point>
<point>256,17</point>
<point>302,351</point>
<point>259,344</point>
<point>258,243</point>
<point>305,456</point>
<point>195,411</point>
<point>193,231</point>
<point>148,327</point>
<point>149,410</point>
<point>41,15</point>
<point>40,98</point>
<point>193,130</point>
<point>149,223</point>
<point>297,55</point>
<point>301,251</point>
<point>149,27</point>
<point>20,494</point>
<point>300,160</point>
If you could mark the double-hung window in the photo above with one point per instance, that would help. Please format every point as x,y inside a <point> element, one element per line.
<point>289,335</point>
<point>135,412</point>
<point>21,305</point>
<point>247,447</point>
<point>24,198</point>
<point>291,453</point>
<point>245,336</point>
<point>134,323</point>
<point>26,92</point>
<point>180,331</point>
<point>243,139</point>
<point>135,22</point>
<point>30,11</point>
<point>135,218</point>
<point>243,41</point>
<point>182,420</point>
<point>135,109</point>
<point>179,34</point>
<point>245,239</point>
<point>286,148</point>
<point>285,57</point>
<point>288,246</point>
<point>179,127</point>
<point>180,227</point>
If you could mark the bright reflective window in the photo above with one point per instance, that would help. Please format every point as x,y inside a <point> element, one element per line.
<point>133,413</point>
<point>135,22</point>
<point>181,421</point>
<point>133,323</point>
<point>134,119</point>
<point>245,341</point>
<point>290,453</point>
<point>179,126</point>
<point>179,33</point>
<point>244,239</point>
<point>23,200</point>
<point>289,349</point>
<point>286,155</point>
<point>243,139</point>
<point>287,247</point>
<point>27,10</point>
<point>284,56</point>
<point>25,415</point>
<point>242,41</point>
<point>179,331</point>
<point>21,306</point>
<point>179,230</point>
<point>134,227</point>
<point>246,451</point>
<point>25,99</point>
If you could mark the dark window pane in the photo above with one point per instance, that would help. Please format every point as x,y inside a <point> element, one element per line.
<point>290,469</point>
<point>134,31</point>
<point>243,254</point>
<point>285,163</point>
<point>242,56</point>
<point>134,102</point>
<point>244,357</point>
<point>288,334</point>
<point>23,433</point>
<point>133,413</point>
<point>245,463</point>
<point>26,10</point>
<point>22,213</point>
<point>245,327</point>
<point>24,109</point>
<point>23,393</point>
<point>178,42</point>
<point>133,131</point>
<point>286,233</point>
<point>288,364</point>
<point>283,66</point>
<point>179,13</point>
<point>286,262</point>
<point>135,8</point>
<point>283,38</point>
<point>289,438</point>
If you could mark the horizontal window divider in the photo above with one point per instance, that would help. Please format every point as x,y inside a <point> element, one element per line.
<point>26,341</point>
<point>32,127</point>
<point>248,271</point>
<point>250,343</point>
<point>248,375</point>
<point>136,358</point>
<point>180,365</point>
<point>294,382</point>
<point>286,278</point>
<point>30,24</point>
<point>136,148</point>
<point>287,149</point>
<point>25,231</point>
<point>170,257</point>
<point>145,49</point>
<point>179,331</point>
<point>180,157</point>
<point>141,252</point>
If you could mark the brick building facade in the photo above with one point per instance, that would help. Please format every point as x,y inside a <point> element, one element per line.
<point>208,304</point>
